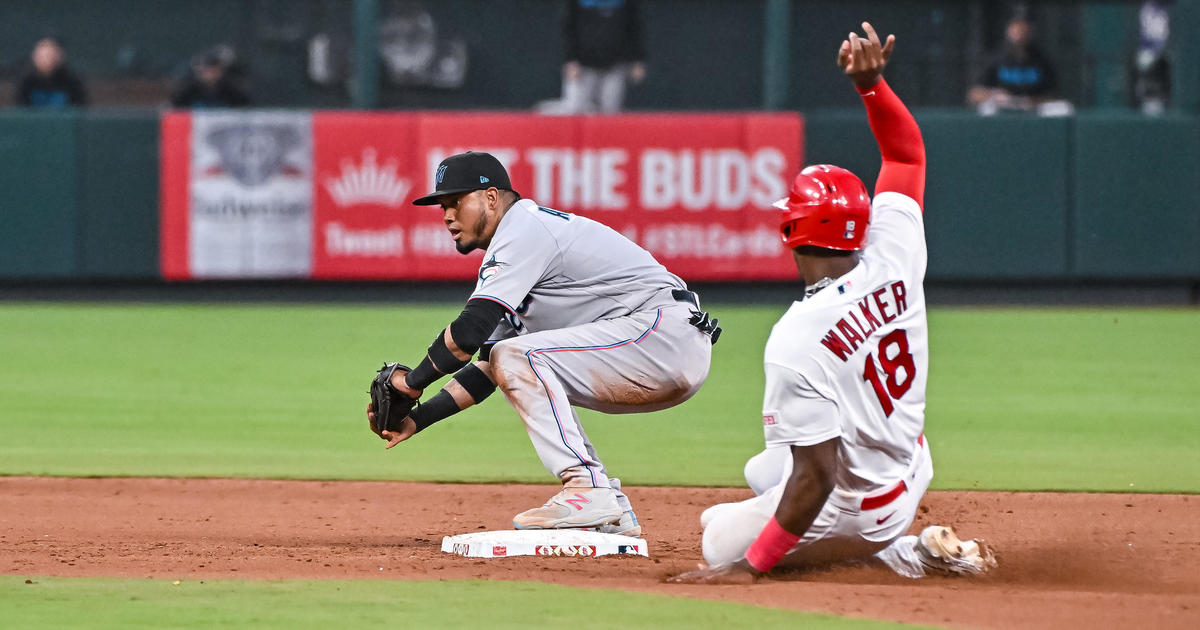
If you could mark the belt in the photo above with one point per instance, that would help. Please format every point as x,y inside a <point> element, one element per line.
<point>685,296</point>
<point>879,500</point>
<point>699,318</point>
<point>876,501</point>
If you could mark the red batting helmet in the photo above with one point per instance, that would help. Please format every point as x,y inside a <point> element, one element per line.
<point>828,207</point>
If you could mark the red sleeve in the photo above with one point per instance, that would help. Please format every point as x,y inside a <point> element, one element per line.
<point>900,143</point>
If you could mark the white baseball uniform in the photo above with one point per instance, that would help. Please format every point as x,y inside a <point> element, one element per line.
<point>849,362</point>
<point>593,321</point>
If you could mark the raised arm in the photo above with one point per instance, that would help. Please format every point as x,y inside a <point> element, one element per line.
<point>895,130</point>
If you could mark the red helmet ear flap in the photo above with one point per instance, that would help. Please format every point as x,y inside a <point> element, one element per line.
<point>827,206</point>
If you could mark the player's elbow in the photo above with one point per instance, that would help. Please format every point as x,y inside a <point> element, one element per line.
<point>912,155</point>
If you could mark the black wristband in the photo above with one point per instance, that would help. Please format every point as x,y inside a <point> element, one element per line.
<point>441,356</point>
<point>440,407</point>
<point>475,382</point>
<point>423,375</point>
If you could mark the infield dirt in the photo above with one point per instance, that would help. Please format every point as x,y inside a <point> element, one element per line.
<point>1066,560</point>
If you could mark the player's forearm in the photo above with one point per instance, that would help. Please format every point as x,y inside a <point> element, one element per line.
<point>805,493</point>
<point>895,129</point>
<point>453,347</point>
<point>798,508</point>
<point>899,139</point>
<point>802,501</point>
<point>470,386</point>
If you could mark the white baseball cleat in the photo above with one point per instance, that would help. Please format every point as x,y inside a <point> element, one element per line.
<point>940,550</point>
<point>573,507</point>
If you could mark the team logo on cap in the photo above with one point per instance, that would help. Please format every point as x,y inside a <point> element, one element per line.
<point>441,174</point>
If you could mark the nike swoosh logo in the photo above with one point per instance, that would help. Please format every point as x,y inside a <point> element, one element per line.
<point>880,521</point>
<point>871,93</point>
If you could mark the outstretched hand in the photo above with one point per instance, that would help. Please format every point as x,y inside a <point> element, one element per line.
<point>408,428</point>
<point>739,572</point>
<point>862,59</point>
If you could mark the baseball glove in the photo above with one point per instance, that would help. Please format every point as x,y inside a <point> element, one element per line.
<point>390,404</point>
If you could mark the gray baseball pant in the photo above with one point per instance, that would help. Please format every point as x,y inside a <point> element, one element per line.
<point>645,361</point>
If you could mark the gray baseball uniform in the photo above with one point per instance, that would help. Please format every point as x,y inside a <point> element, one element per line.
<point>592,321</point>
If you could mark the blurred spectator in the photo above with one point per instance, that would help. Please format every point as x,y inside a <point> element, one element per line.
<point>605,50</point>
<point>211,82</point>
<point>49,83</point>
<point>1152,70</point>
<point>1021,77</point>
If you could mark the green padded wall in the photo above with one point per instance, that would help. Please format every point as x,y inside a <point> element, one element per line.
<point>1097,196</point>
<point>997,196</point>
<point>997,193</point>
<point>38,212</point>
<point>118,195</point>
<point>1137,194</point>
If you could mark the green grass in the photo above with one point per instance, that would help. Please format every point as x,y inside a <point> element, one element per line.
<point>97,604</point>
<point>1064,399</point>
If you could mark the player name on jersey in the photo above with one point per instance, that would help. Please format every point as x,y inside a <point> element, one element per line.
<point>876,310</point>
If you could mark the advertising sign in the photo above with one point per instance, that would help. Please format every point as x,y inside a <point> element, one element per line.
<point>328,195</point>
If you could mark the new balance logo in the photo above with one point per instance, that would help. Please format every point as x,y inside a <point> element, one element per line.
<point>578,502</point>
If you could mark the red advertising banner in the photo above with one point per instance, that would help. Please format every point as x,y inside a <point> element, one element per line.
<point>694,189</point>
<point>173,198</point>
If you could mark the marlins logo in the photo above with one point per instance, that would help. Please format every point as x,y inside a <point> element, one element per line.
<point>489,270</point>
<point>441,174</point>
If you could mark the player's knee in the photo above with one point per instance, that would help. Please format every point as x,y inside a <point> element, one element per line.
<point>509,368</point>
<point>768,469</point>
<point>728,536</point>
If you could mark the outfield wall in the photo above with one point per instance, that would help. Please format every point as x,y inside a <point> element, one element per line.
<point>1100,196</point>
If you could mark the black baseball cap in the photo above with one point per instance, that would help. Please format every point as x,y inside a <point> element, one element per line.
<point>466,172</point>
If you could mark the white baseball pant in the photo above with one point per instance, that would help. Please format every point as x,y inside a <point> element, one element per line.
<point>850,526</point>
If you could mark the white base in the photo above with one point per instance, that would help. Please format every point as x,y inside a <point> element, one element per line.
<point>542,542</point>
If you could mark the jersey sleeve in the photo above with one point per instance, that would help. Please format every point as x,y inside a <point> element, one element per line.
<point>504,330</point>
<point>794,412</point>
<point>896,234</point>
<point>520,255</point>
<point>900,144</point>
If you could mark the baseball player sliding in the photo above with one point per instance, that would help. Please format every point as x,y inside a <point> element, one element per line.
<point>846,461</point>
<point>566,313</point>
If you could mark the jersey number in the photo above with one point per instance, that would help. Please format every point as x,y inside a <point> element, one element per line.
<point>514,319</point>
<point>899,368</point>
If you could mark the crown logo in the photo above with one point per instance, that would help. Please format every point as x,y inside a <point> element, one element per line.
<point>369,183</point>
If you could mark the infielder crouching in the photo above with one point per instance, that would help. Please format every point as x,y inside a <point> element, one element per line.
<point>847,462</point>
<point>566,313</point>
